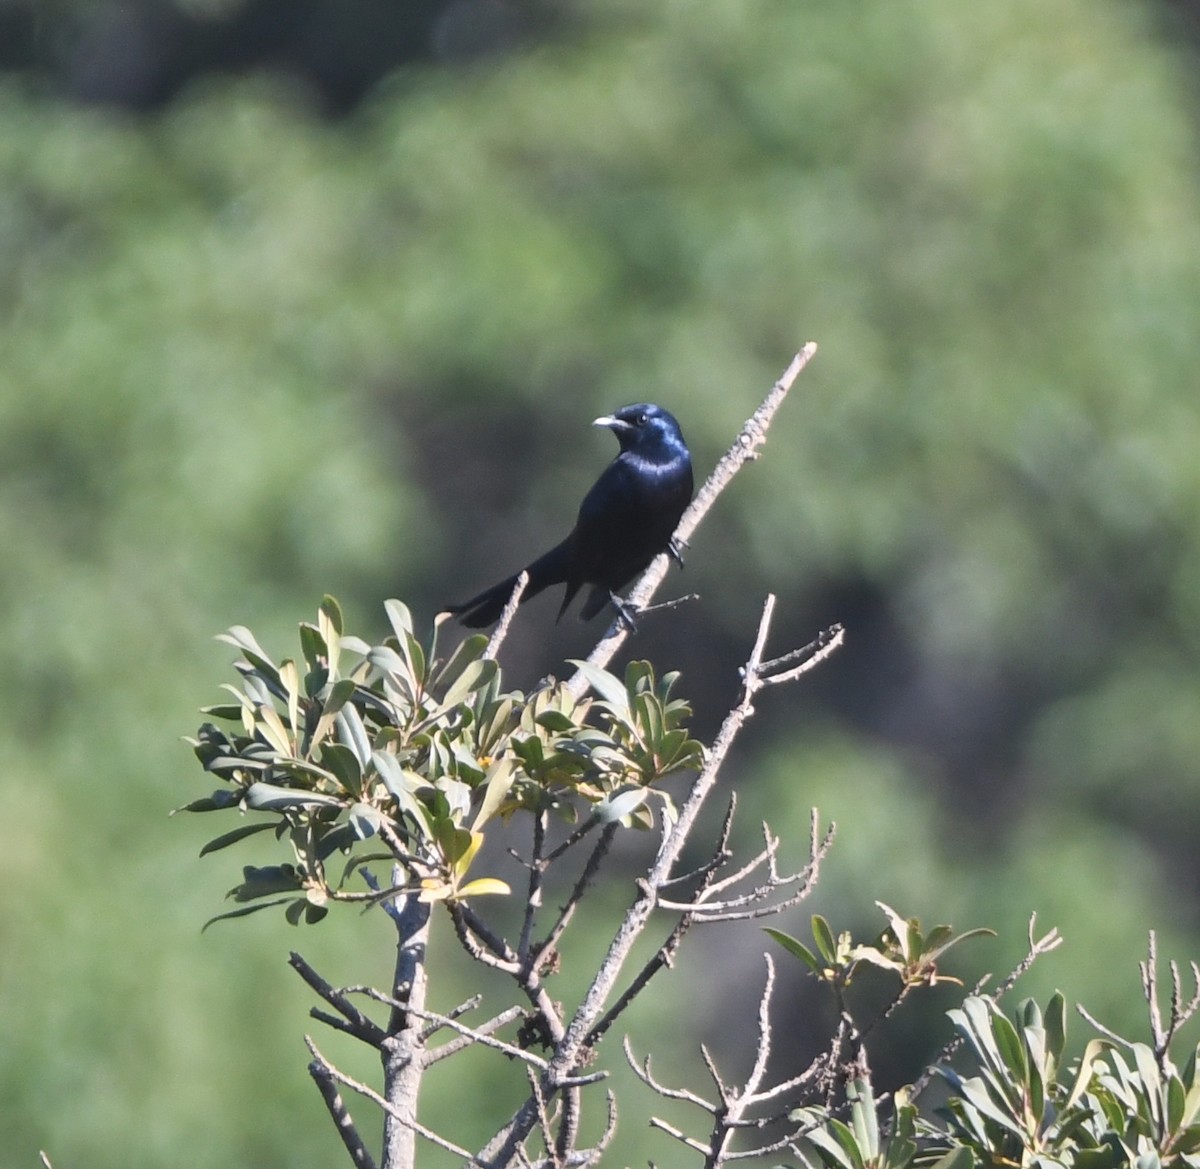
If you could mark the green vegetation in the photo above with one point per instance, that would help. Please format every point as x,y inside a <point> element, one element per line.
<point>251,356</point>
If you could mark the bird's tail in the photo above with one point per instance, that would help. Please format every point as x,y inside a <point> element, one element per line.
<point>485,609</point>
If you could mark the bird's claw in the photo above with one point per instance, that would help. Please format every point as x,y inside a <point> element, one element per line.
<point>625,612</point>
<point>675,550</point>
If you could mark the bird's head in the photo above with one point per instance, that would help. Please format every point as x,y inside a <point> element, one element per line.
<point>643,427</point>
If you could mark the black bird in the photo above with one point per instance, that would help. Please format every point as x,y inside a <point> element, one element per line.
<point>625,520</point>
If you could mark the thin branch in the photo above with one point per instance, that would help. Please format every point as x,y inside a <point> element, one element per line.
<point>544,1122</point>
<point>467,929</point>
<point>567,911</point>
<point>586,1157</point>
<point>326,1084</point>
<point>510,609</point>
<point>827,642</point>
<point>591,822</point>
<point>732,909</point>
<point>1091,1019</point>
<point>643,1073</point>
<point>754,863</point>
<point>664,957</point>
<point>477,1035</point>
<point>357,1024</point>
<point>533,894</point>
<point>470,1036</point>
<point>763,1048</point>
<point>680,1136</point>
<point>370,1093</point>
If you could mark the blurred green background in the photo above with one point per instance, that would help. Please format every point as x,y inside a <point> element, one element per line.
<point>307,296</point>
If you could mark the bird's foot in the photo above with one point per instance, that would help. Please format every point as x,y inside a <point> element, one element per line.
<point>675,550</point>
<point>625,612</point>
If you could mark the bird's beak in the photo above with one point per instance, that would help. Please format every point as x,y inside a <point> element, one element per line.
<point>611,422</point>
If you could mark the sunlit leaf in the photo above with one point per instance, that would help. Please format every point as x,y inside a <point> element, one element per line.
<point>483,887</point>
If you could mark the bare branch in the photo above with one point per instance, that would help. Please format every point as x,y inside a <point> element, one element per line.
<point>763,1048</point>
<point>469,930</point>
<point>533,892</point>
<point>510,609</point>
<point>590,823</point>
<point>357,1024</point>
<point>643,1073</point>
<point>1091,1019</point>
<point>664,957</point>
<point>827,642</point>
<point>476,1035</point>
<point>581,885</point>
<point>680,1136</point>
<point>370,1093</point>
<point>748,906</point>
<point>327,1086</point>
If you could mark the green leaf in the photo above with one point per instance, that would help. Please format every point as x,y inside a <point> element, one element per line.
<point>620,805</point>
<point>1083,1074</point>
<point>225,711</point>
<point>608,686</point>
<point>219,842</point>
<point>339,694</point>
<point>332,612</point>
<point>400,618</point>
<point>312,645</point>
<point>556,722</point>
<point>220,799</point>
<point>499,782</point>
<point>364,820</point>
<point>467,652</point>
<point>795,947</point>
<point>826,1141</point>
<point>823,936</point>
<point>1104,1156</point>
<point>899,927</point>
<point>1147,1068</point>
<point>304,909</point>
<point>244,912</point>
<point>266,797</point>
<point>974,1091</point>
<point>863,1121</point>
<point>484,887</point>
<point>289,677</point>
<point>353,733</point>
<point>1056,1025</point>
<point>241,638</point>
<point>271,727</point>
<point>957,1158</point>
<point>474,677</point>
<point>264,882</point>
<point>343,762</point>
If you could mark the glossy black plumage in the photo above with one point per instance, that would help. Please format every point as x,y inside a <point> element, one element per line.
<point>625,520</point>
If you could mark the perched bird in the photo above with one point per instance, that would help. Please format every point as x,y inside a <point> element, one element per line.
<point>625,520</point>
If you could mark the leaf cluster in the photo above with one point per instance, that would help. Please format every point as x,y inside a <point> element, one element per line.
<point>1119,1106</point>
<point>391,744</point>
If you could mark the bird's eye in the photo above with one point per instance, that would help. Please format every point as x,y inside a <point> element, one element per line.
<point>640,419</point>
